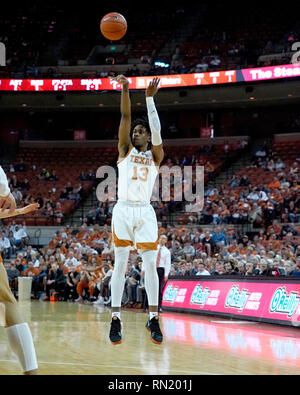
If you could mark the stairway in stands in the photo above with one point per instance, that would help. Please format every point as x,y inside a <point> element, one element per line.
<point>76,217</point>
<point>228,172</point>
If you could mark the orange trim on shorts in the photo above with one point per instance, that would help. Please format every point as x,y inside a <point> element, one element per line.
<point>119,242</point>
<point>147,246</point>
<point>130,149</point>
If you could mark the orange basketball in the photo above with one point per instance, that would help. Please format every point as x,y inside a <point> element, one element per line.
<point>113,26</point>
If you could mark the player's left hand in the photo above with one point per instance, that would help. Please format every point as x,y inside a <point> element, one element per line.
<point>153,87</point>
<point>8,202</point>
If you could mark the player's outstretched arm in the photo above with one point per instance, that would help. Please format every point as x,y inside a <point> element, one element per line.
<point>7,201</point>
<point>19,211</point>
<point>8,206</point>
<point>125,124</point>
<point>154,122</point>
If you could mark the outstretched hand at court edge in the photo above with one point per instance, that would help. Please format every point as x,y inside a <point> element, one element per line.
<point>6,213</point>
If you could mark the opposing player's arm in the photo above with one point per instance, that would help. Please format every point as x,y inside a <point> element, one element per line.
<point>125,124</point>
<point>154,122</point>
<point>8,206</point>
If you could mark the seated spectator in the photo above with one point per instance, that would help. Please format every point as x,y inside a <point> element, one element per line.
<point>71,261</point>
<point>43,175</point>
<point>82,176</point>
<point>244,182</point>
<point>274,184</point>
<point>13,182</point>
<point>189,270</point>
<point>55,280</point>
<point>72,279</point>
<point>218,238</point>
<point>263,268</point>
<point>230,268</point>
<point>104,285</point>
<point>249,269</point>
<point>38,282</point>
<point>176,249</point>
<point>208,243</point>
<point>296,269</point>
<point>202,270</point>
<point>188,250</point>
<point>58,213</point>
<point>279,164</point>
<point>234,181</point>
<point>24,185</point>
<point>132,281</point>
<point>5,247</point>
<point>64,194</point>
<point>12,274</point>
<point>90,176</point>
<point>52,176</point>
<point>31,271</point>
<point>88,275</point>
<point>20,236</point>
<point>17,194</point>
<point>241,267</point>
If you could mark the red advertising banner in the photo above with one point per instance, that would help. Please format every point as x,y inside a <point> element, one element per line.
<point>260,300</point>
<point>166,81</point>
<point>98,84</point>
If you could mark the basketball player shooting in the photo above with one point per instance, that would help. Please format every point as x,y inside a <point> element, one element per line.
<point>134,223</point>
<point>18,332</point>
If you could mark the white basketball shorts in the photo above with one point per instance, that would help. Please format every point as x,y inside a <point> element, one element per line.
<point>134,224</point>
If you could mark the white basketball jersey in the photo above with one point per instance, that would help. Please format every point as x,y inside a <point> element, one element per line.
<point>137,174</point>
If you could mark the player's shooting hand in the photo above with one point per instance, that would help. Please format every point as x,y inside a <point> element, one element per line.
<point>152,87</point>
<point>8,202</point>
<point>121,79</point>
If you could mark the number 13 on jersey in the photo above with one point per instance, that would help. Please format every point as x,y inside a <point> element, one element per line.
<point>142,175</point>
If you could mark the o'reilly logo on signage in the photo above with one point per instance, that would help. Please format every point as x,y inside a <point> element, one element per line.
<point>284,303</point>
<point>237,298</point>
<point>2,55</point>
<point>170,293</point>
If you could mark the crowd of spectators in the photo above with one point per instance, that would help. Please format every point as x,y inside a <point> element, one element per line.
<point>244,199</point>
<point>78,262</point>
<point>265,190</point>
<point>51,202</point>
<point>216,42</point>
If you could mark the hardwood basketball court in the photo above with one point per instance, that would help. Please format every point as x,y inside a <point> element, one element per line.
<point>73,339</point>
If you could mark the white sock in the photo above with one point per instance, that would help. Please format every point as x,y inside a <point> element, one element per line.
<point>21,343</point>
<point>153,314</point>
<point>116,314</point>
<point>151,277</point>
<point>118,276</point>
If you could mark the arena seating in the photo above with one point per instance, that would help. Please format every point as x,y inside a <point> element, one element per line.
<point>46,38</point>
<point>69,163</point>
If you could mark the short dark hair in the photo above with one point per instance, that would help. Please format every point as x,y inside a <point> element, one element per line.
<point>141,121</point>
